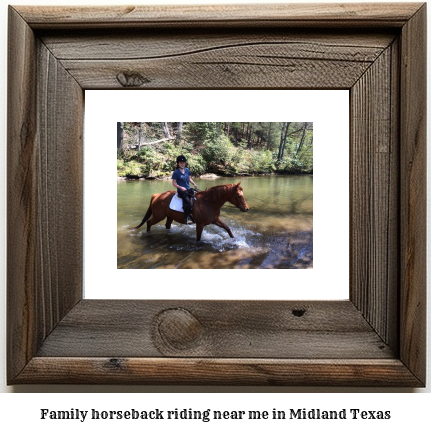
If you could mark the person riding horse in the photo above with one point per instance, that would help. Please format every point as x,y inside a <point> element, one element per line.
<point>206,209</point>
<point>181,179</point>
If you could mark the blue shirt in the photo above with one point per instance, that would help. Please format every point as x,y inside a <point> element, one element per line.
<point>182,179</point>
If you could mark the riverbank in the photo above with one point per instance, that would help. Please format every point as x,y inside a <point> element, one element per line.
<point>203,176</point>
<point>226,150</point>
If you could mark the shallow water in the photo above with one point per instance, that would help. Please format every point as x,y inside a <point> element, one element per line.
<point>277,231</point>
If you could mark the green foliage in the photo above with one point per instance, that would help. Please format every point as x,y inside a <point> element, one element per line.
<point>219,150</point>
<point>294,165</point>
<point>221,147</point>
<point>170,153</point>
<point>150,158</point>
<point>129,169</point>
<point>198,132</point>
<point>261,161</point>
<point>195,162</point>
<point>161,162</point>
<point>239,161</point>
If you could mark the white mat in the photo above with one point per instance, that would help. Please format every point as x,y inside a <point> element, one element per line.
<point>176,203</point>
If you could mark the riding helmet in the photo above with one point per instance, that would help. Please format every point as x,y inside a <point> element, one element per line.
<point>181,158</point>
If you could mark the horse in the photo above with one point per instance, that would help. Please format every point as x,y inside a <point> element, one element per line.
<point>206,209</point>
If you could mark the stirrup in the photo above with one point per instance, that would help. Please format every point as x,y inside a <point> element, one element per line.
<point>189,220</point>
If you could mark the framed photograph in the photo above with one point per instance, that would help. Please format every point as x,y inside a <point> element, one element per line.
<point>376,337</point>
<point>285,193</point>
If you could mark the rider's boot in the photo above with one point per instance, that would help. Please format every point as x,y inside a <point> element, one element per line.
<point>188,220</point>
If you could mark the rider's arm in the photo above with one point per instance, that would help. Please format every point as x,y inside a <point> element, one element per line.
<point>174,184</point>
<point>191,181</point>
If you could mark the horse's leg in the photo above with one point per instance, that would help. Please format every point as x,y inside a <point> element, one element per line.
<point>199,229</point>
<point>158,216</point>
<point>168,222</point>
<point>221,224</point>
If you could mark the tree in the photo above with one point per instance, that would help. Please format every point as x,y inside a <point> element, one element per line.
<point>179,131</point>
<point>268,141</point>
<point>302,139</point>
<point>120,132</point>
<point>140,133</point>
<point>166,130</point>
<point>283,139</point>
<point>250,132</point>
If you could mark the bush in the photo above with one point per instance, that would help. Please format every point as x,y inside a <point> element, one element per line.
<point>294,165</point>
<point>195,163</point>
<point>131,168</point>
<point>261,161</point>
<point>200,132</point>
<point>219,151</point>
<point>150,158</point>
<point>239,161</point>
<point>120,164</point>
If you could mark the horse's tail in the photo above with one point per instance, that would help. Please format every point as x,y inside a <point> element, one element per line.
<point>146,217</point>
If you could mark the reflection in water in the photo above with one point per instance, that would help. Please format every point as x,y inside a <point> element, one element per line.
<point>277,231</point>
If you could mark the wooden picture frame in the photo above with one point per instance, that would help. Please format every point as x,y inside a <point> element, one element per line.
<point>376,338</point>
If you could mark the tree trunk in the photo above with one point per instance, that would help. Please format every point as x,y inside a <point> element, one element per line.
<point>246,132</point>
<point>268,143</point>
<point>281,141</point>
<point>119,136</point>
<point>285,138</point>
<point>180,131</point>
<point>166,130</point>
<point>140,133</point>
<point>250,135</point>
<point>302,139</point>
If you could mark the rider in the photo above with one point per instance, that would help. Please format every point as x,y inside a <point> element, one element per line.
<point>181,179</point>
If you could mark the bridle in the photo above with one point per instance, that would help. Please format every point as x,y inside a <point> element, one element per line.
<point>237,197</point>
<point>240,201</point>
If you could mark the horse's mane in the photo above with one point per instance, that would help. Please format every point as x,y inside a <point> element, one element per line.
<point>217,193</point>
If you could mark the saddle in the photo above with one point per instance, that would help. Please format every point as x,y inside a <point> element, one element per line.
<point>177,203</point>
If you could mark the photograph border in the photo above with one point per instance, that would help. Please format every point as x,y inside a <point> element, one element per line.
<point>376,338</point>
<point>106,106</point>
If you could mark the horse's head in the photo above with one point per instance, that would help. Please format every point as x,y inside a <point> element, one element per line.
<point>237,198</point>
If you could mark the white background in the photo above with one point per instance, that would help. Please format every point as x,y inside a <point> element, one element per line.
<point>328,280</point>
<point>22,410</point>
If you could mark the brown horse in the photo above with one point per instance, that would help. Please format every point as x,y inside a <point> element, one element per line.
<point>206,209</point>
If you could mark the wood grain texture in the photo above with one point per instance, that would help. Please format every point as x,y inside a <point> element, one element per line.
<point>59,183</point>
<point>376,338</point>
<point>235,329</point>
<point>374,195</point>
<point>300,14</point>
<point>118,370</point>
<point>251,60</point>
<point>45,106</point>
<point>347,45</point>
<point>21,195</point>
<point>413,194</point>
